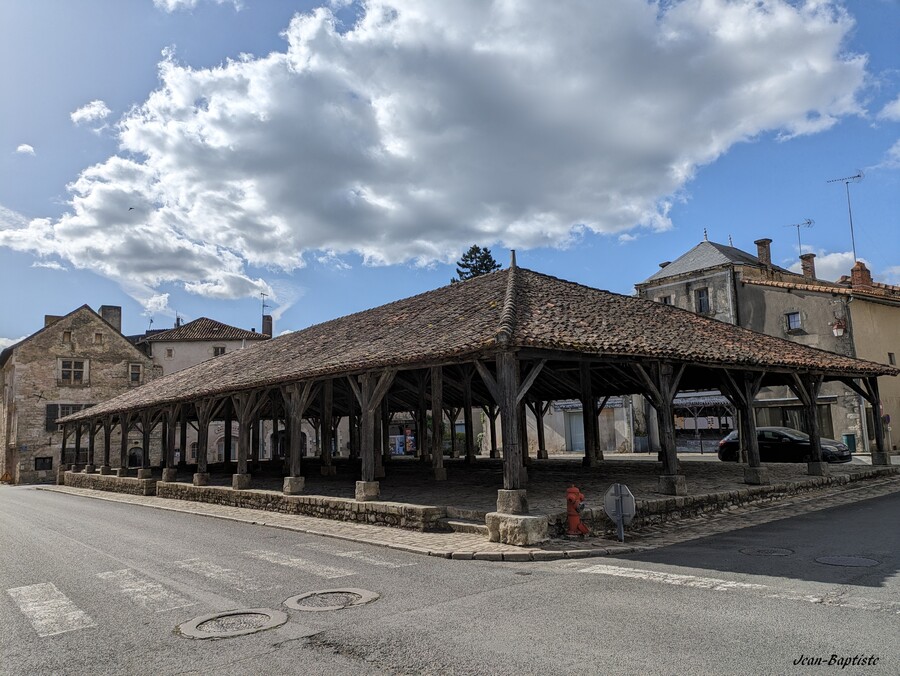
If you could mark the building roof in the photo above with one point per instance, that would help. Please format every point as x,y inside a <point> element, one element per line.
<point>202,329</point>
<point>703,256</point>
<point>877,292</point>
<point>514,307</point>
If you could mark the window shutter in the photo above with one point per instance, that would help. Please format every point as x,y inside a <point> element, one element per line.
<point>52,415</point>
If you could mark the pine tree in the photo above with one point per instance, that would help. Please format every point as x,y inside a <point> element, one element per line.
<point>474,262</point>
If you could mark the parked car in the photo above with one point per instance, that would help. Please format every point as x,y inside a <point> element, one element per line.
<point>783,444</point>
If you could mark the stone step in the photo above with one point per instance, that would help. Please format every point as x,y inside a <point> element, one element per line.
<point>465,526</point>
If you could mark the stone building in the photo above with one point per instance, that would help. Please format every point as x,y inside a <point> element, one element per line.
<point>854,316</point>
<point>73,362</point>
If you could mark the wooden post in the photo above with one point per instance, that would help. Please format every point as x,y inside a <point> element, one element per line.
<point>206,410</point>
<point>327,408</point>
<point>182,436</point>
<point>452,415</point>
<point>125,424</point>
<point>880,456</point>
<point>246,406</point>
<point>741,394</point>
<point>660,381</point>
<point>514,476</point>
<point>386,418</point>
<point>492,412</point>
<point>255,438</point>
<point>468,373</point>
<point>92,433</point>
<point>539,409</point>
<point>421,420</point>
<point>107,442</point>
<point>171,414</point>
<point>522,412</point>
<point>297,399</point>
<point>377,448</point>
<point>77,444</point>
<point>437,419</point>
<point>587,414</point>
<point>807,387</point>
<point>229,422</point>
<point>369,392</point>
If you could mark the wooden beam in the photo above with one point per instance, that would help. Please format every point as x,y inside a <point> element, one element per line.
<point>529,379</point>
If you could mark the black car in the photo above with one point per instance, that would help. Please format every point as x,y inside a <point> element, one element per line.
<point>783,444</point>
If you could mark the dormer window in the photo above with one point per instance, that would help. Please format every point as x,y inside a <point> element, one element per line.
<point>218,350</point>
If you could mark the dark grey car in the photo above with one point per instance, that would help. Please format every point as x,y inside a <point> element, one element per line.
<point>783,444</point>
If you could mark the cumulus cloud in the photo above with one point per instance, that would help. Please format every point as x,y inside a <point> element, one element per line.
<point>49,265</point>
<point>891,158</point>
<point>892,274</point>
<point>25,149</point>
<point>829,266</point>
<point>891,111</point>
<point>6,342</point>
<point>425,127</point>
<point>91,112</point>
<point>175,5</point>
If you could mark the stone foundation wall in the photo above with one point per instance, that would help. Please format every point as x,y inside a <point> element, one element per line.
<point>398,515</point>
<point>114,484</point>
<point>654,512</point>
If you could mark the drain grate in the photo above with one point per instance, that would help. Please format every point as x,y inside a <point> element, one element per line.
<point>331,599</point>
<point>766,551</point>
<point>848,561</point>
<point>232,623</point>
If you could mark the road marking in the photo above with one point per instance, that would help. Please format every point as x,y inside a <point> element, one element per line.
<point>840,598</point>
<point>371,559</point>
<point>49,610</point>
<point>145,592</point>
<point>293,562</point>
<point>217,573</point>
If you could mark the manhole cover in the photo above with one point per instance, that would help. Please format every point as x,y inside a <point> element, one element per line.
<point>848,561</point>
<point>766,551</point>
<point>232,623</point>
<point>331,599</point>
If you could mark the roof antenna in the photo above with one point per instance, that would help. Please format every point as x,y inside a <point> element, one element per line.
<point>265,305</point>
<point>705,236</point>
<point>807,223</point>
<point>512,258</point>
<point>150,325</point>
<point>856,178</point>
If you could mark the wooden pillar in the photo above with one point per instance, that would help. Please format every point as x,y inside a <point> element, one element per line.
<point>386,419</point>
<point>182,435</point>
<point>246,406</point>
<point>437,419</point>
<point>369,391</point>
<point>255,439</point>
<point>422,449</point>
<point>125,424</point>
<point>297,399</point>
<point>514,478</point>
<point>587,415</point>
<point>880,455</point>
<point>92,433</point>
<point>522,412</point>
<point>77,444</point>
<point>467,413</point>
<point>806,387</point>
<point>492,413</point>
<point>539,409</point>
<point>107,443</point>
<point>206,410</point>
<point>377,439</point>
<point>741,392</point>
<point>452,415</point>
<point>171,415</point>
<point>327,431</point>
<point>366,429</point>
<point>748,418</point>
<point>661,381</point>
<point>228,424</point>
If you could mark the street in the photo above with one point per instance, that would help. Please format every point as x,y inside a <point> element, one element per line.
<point>94,587</point>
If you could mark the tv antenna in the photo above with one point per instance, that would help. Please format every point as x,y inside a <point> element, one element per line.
<point>806,223</point>
<point>265,305</point>
<point>150,325</point>
<point>847,180</point>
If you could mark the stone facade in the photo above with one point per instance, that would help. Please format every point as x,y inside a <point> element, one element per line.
<point>75,361</point>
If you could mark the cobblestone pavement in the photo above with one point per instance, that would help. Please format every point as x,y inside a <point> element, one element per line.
<point>475,546</point>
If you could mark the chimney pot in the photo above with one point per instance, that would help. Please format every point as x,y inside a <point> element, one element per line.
<point>764,251</point>
<point>808,263</point>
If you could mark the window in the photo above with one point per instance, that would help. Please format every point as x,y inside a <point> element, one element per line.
<point>892,359</point>
<point>43,464</point>
<point>193,452</point>
<point>98,338</point>
<point>793,322</point>
<point>218,350</point>
<point>170,352</point>
<point>665,300</point>
<point>73,372</point>
<point>55,411</point>
<point>67,336</point>
<point>134,374</point>
<point>701,300</point>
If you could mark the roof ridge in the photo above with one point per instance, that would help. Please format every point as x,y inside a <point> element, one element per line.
<point>508,315</point>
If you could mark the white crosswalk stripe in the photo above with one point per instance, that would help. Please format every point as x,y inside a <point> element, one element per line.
<point>49,610</point>
<point>371,559</point>
<point>294,562</point>
<point>220,574</point>
<point>145,592</point>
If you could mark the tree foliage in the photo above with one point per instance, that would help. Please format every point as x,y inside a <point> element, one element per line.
<point>474,262</point>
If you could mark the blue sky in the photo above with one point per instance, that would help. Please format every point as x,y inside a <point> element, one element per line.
<point>182,156</point>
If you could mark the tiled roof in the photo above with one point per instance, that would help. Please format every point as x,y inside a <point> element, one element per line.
<point>203,329</point>
<point>465,319</point>
<point>703,256</point>
<point>880,291</point>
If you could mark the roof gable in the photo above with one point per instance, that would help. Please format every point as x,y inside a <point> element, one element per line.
<point>203,329</point>
<point>704,256</point>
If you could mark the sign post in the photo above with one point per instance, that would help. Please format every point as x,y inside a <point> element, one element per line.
<point>620,507</point>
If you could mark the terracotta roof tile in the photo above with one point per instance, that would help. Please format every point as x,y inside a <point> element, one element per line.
<point>203,329</point>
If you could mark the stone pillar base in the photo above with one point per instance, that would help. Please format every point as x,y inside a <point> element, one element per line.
<point>440,474</point>
<point>512,502</point>
<point>494,454</point>
<point>367,490</point>
<point>294,485</point>
<point>169,474</point>
<point>89,469</point>
<point>240,482</point>
<point>201,479</point>
<point>599,457</point>
<point>121,471</point>
<point>672,484</point>
<point>515,529</point>
<point>74,468</point>
<point>145,473</point>
<point>105,470</point>
<point>817,468</point>
<point>757,476</point>
<point>329,470</point>
<point>880,458</point>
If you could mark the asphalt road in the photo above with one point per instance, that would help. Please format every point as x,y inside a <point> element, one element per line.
<point>93,587</point>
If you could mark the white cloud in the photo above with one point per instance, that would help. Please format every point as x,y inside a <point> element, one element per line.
<point>891,111</point>
<point>6,342</point>
<point>25,149</point>
<point>175,5</point>
<point>892,275</point>
<point>91,112</point>
<point>49,265</point>
<point>891,158</point>
<point>426,127</point>
<point>829,266</point>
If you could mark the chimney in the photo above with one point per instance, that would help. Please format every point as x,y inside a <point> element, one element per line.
<point>664,264</point>
<point>113,315</point>
<point>808,262</point>
<point>51,319</point>
<point>763,252</point>
<point>267,325</point>
<point>860,277</point>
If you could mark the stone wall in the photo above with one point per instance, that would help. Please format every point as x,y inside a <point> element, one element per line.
<point>398,515</point>
<point>114,484</point>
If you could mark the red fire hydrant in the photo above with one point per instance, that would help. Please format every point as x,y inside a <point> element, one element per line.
<point>574,503</point>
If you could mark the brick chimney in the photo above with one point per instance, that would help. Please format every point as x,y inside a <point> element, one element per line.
<point>113,315</point>
<point>763,252</point>
<point>808,262</point>
<point>860,277</point>
<point>267,325</point>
